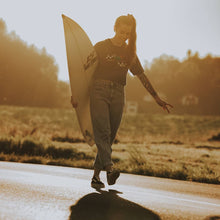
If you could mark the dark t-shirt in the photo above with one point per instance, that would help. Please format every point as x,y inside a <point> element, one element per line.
<point>113,63</point>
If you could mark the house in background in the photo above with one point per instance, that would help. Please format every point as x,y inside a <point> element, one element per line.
<point>131,107</point>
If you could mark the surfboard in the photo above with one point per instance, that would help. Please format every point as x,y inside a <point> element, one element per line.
<point>82,61</point>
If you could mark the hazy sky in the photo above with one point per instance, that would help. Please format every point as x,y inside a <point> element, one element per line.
<point>163,26</point>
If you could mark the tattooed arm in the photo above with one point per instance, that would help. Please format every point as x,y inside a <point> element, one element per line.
<point>146,83</point>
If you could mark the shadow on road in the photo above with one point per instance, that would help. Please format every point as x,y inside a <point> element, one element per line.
<point>107,205</point>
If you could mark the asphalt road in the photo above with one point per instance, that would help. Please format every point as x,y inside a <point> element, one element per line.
<point>42,192</point>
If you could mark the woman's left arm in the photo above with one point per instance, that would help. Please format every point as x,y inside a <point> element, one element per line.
<point>146,83</point>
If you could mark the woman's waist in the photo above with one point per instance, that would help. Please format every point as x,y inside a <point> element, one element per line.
<point>108,83</point>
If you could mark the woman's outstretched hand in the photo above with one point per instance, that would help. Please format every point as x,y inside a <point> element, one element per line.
<point>163,104</point>
<point>73,102</point>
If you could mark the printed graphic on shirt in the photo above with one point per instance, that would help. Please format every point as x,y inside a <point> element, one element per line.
<point>90,60</point>
<point>116,58</point>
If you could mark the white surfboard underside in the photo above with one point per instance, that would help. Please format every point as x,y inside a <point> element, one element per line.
<point>82,61</point>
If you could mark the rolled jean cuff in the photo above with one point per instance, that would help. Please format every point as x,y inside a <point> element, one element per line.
<point>108,164</point>
<point>102,168</point>
<point>98,167</point>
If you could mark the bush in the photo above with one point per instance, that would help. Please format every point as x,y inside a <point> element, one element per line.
<point>5,145</point>
<point>56,153</point>
<point>31,148</point>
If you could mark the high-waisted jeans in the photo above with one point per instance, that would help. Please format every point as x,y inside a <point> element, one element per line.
<point>106,106</point>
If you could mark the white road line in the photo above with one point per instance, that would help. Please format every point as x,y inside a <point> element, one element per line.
<point>159,194</point>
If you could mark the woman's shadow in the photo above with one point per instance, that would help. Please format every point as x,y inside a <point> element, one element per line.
<point>107,205</point>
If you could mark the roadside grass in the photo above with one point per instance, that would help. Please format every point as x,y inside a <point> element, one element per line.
<point>170,146</point>
<point>182,162</point>
<point>29,146</point>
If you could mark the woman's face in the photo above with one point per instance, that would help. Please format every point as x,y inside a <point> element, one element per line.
<point>122,32</point>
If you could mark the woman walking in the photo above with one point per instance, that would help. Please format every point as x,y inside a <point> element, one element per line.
<point>116,56</point>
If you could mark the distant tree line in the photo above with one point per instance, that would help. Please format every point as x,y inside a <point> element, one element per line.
<point>192,86</point>
<point>29,76</point>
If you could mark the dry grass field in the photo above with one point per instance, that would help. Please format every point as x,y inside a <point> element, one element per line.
<point>163,145</point>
